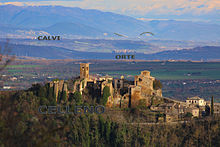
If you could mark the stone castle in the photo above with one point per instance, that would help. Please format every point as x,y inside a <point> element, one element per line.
<point>123,93</point>
<point>141,91</point>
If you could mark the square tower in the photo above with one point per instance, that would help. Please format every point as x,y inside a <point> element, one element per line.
<point>84,70</point>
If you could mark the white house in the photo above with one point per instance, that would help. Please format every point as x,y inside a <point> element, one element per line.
<point>196,101</point>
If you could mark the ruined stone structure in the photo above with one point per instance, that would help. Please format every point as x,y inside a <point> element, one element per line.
<point>81,83</point>
<point>145,82</point>
<point>84,71</point>
<point>86,80</point>
<point>123,93</point>
<point>143,90</point>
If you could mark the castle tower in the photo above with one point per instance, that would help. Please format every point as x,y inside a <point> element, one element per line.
<point>84,70</point>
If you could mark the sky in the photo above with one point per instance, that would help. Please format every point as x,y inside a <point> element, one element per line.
<point>193,10</point>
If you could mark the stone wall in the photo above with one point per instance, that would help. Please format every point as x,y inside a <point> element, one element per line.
<point>143,89</point>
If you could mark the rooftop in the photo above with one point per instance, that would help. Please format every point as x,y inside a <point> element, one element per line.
<point>195,98</point>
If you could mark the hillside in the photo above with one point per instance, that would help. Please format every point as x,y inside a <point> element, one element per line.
<point>206,53</point>
<point>26,126</point>
<point>45,17</point>
<point>77,22</point>
<point>51,52</point>
<point>199,53</point>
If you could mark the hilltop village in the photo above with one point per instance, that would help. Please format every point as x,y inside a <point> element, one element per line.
<point>145,91</point>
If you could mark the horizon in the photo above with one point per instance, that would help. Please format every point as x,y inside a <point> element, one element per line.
<point>184,10</point>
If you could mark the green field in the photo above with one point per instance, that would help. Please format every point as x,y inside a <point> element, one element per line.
<point>170,70</point>
<point>23,66</point>
<point>160,70</point>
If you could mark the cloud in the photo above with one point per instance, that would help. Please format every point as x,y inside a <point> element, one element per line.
<point>33,0</point>
<point>134,7</point>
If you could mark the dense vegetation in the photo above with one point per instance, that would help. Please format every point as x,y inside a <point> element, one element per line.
<point>22,125</point>
<point>106,94</point>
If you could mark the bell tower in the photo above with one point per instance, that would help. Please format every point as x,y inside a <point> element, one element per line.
<point>84,70</point>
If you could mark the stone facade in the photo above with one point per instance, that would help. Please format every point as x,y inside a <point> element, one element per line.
<point>143,90</point>
<point>193,110</point>
<point>123,94</point>
<point>197,101</point>
<point>145,81</point>
<point>84,71</point>
<point>86,80</point>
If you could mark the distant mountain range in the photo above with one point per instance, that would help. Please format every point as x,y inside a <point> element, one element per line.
<point>207,53</point>
<point>28,21</point>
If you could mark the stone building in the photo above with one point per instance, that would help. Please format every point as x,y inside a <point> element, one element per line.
<point>132,94</point>
<point>216,108</point>
<point>193,110</point>
<point>84,71</point>
<point>143,90</point>
<point>123,93</point>
<point>197,101</point>
<point>93,83</point>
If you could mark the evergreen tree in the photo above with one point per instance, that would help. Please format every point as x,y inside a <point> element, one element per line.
<point>77,97</point>
<point>101,126</point>
<point>207,110</point>
<point>107,131</point>
<point>50,94</point>
<point>212,105</point>
<point>106,94</point>
<point>44,101</point>
<point>63,96</point>
<point>42,91</point>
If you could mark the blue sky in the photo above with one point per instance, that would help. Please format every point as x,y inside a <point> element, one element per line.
<point>194,10</point>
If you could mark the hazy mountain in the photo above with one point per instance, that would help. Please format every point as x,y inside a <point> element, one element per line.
<point>199,53</point>
<point>74,29</point>
<point>42,17</point>
<point>51,52</point>
<point>95,23</point>
<point>185,30</point>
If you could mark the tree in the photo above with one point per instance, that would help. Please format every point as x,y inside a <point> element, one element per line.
<point>42,91</point>
<point>207,110</point>
<point>63,96</point>
<point>107,130</point>
<point>188,115</point>
<point>44,101</point>
<point>106,94</point>
<point>212,106</point>
<point>50,95</point>
<point>77,97</point>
